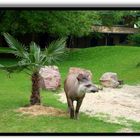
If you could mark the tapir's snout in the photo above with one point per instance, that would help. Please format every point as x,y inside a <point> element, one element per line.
<point>95,89</point>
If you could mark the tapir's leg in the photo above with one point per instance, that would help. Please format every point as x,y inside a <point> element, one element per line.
<point>79,102</point>
<point>70,104</point>
<point>68,109</point>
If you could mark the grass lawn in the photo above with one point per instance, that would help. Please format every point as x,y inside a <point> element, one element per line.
<point>15,92</point>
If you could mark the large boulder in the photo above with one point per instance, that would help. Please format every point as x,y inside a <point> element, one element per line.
<point>50,77</point>
<point>76,70</point>
<point>109,79</point>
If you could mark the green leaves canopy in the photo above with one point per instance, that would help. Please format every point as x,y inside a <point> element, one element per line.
<point>60,22</point>
<point>56,22</point>
<point>109,17</point>
<point>33,59</point>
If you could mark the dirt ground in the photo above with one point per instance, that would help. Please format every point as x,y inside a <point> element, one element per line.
<point>36,110</point>
<point>121,102</point>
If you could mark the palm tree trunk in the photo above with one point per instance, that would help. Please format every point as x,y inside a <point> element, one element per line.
<point>35,97</point>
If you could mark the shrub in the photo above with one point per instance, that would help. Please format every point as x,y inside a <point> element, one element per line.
<point>134,39</point>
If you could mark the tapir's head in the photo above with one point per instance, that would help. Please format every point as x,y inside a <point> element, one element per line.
<point>85,85</point>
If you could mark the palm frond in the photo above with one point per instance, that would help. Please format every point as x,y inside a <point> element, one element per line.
<point>14,68</point>
<point>15,45</point>
<point>6,50</point>
<point>55,51</point>
<point>34,52</point>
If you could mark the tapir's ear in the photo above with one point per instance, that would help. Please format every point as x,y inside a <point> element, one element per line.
<point>87,75</point>
<point>80,77</point>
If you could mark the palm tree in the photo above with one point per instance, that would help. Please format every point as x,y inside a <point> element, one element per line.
<point>31,59</point>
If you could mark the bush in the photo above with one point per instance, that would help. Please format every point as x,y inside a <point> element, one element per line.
<point>134,39</point>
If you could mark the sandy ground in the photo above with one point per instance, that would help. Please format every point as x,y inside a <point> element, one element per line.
<point>115,103</point>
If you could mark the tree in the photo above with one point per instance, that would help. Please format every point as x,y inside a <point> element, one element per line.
<point>134,39</point>
<point>57,23</point>
<point>127,17</point>
<point>32,59</point>
<point>60,23</point>
<point>109,17</point>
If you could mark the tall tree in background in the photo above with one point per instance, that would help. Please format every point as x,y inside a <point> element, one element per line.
<point>110,18</point>
<point>72,23</point>
<point>61,23</point>
<point>57,23</point>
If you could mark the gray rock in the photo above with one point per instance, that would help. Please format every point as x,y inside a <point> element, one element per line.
<point>109,79</point>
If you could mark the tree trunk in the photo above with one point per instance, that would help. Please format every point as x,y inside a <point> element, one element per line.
<point>35,97</point>
<point>106,40</point>
<point>70,44</point>
<point>35,37</point>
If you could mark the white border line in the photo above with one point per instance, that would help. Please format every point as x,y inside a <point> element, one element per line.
<point>71,3</point>
<point>74,138</point>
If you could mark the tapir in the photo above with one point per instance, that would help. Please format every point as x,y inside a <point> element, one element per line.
<point>75,87</point>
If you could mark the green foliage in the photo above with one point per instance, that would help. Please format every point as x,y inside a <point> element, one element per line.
<point>16,47</point>
<point>54,52</point>
<point>114,17</point>
<point>33,59</point>
<point>14,68</point>
<point>5,50</point>
<point>109,18</point>
<point>76,23</point>
<point>134,39</point>
<point>60,23</point>
<point>12,21</point>
<point>138,23</point>
<point>133,17</point>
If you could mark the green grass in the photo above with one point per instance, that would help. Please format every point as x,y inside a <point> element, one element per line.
<point>15,92</point>
<point>122,60</point>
